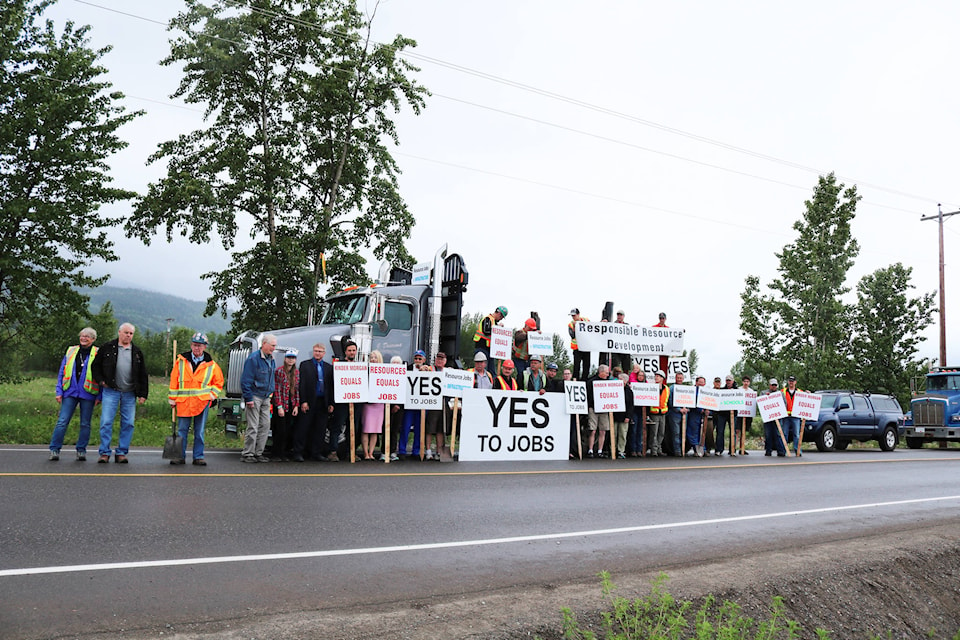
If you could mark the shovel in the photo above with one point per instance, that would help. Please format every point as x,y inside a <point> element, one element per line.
<point>173,444</point>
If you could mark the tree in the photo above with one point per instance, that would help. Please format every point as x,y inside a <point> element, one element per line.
<point>886,328</point>
<point>58,126</point>
<point>560,354</point>
<point>468,327</point>
<point>802,326</point>
<point>298,101</point>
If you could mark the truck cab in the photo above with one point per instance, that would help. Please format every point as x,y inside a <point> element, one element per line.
<point>396,315</point>
<point>935,415</point>
<point>846,416</point>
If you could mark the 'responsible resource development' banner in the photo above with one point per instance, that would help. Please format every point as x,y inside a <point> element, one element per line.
<point>806,405</point>
<point>616,337</point>
<point>350,382</point>
<point>514,425</point>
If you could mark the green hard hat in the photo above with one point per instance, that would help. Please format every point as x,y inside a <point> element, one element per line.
<point>503,310</point>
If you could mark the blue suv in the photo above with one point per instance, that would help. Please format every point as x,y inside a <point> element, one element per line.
<point>846,416</point>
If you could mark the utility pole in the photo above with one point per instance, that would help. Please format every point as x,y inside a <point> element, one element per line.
<point>943,297</point>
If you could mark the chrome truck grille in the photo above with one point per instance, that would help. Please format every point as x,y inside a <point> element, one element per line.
<point>929,413</point>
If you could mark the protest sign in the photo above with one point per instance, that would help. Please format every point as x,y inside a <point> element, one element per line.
<point>772,407</point>
<point>684,395</point>
<point>455,381</point>
<point>421,273</point>
<point>608,396</point>
<point>750,404</point>
<point>678,365</point>
<point>806,405</point>
<point>708,399</point>
<point>350,382</point>
<point>387,383</point>
<point>424,390</point>
<point>501,343</point>
<point>514,425</point>
<point>540,344</point>
<point>617,337</point>
<point>576,396</point>
<point>645,394</point>
<point>731,399</point>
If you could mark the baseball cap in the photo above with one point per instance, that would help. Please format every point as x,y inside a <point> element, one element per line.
<point>291,353</point>
<point>792,378</point>
<point>552,366</point>
<point>729,377</point>
<point>199,338</point>
<point>620,312</point>
<point>574,311</point>
<point>420,352</point>
<point>773,381</point>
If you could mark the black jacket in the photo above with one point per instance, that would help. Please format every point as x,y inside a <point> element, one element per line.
<point>105,368</point>
<point>308,382</point>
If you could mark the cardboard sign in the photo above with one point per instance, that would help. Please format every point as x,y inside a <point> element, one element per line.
<point>731,399</point>
<point>576,396</point>
<point>424,390</point>
<point>708,399</point>
<point>750,404</point>
<point>501,343</point>
<point>645,394</point>
<point>350,382</point>
<point>684,395</point>
<point>806,405</point>
<point>772,407</point>
<point>608,396</point>
<point>617,337</point>
<point>421,273</point>
<point>514,425</point>
<point>455,381</point>
<point>388,383</point>
<point>540,343</point>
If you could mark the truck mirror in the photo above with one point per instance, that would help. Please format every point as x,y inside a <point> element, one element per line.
<point>843,405</point>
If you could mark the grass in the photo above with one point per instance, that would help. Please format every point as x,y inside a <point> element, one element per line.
<point>29,411</point>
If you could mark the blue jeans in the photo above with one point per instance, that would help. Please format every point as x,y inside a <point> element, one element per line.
<point>674,422</point>
<point>791,424</point>
<point>720,420</point>
<point>694,425</point>
<point>67,406</point>
<point>411,422</point>
<point>112,400</point>
<point>183,427</point>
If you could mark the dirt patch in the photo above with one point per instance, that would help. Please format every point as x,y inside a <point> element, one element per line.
<point>905,583</point>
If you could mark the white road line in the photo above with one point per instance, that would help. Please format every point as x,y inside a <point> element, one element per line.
<point>450,545</point>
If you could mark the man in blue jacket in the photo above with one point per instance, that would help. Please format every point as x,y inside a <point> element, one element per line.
<point>257,386</point>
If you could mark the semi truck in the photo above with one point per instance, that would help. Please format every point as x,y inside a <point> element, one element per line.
<point>935,415</point>
<point>402,312</point>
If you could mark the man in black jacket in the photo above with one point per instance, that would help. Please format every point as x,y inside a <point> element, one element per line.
<point>316,397</point>
<point>120,370</point>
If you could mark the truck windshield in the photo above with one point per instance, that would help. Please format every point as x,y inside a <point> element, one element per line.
<point>943,383</point>
<point>346,310</point>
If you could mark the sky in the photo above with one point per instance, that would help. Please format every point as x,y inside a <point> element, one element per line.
<point>646,153</point>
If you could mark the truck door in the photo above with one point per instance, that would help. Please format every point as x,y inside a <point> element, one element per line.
<point>861,417</point>
<point>398,337</point>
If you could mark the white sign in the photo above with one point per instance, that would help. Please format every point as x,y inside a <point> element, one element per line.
<point>576,395</point>
<point>618,337</point>
<point>540,343</point>
<point>750,404</point>
<point>350,382</point>
<point>387,383</point>
<point>501,343</point>
<point>421,273</point>
<point>708,399</point>
<point>608,396</point>
<point>455,381</point>
<point>731,399</point>
<point>684,395</point>
<point>424,390</point>
<point>514,425</point>
<point>806,405</point>
<point>645,394</point>
<point>650,364</point>
<point>772,407</point>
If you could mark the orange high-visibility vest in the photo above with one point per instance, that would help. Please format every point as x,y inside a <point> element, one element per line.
<point>193,389</point>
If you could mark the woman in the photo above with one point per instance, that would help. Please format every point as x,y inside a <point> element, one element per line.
<point>372,418</point>
<point>76,386</point>
<point>286,405</point>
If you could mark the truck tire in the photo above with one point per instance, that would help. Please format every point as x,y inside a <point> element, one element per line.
<point>915,443</point>
<point>888,439</point>
<point>827,439</point>
<point>841,445</point>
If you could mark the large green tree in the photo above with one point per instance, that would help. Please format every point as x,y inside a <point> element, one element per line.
<point>58,127</point>
<point>298,104</point>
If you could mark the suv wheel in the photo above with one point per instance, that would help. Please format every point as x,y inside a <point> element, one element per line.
<point>841,445</point>
<point>827,439</point>
<point>888,439</point>
<point>915,443</point>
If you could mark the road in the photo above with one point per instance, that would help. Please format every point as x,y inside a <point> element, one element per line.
<point>93,548</point>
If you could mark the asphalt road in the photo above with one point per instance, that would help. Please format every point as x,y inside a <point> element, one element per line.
<point>89,547</point>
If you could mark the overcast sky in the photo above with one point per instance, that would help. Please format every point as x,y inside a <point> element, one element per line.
<point>660,153</point>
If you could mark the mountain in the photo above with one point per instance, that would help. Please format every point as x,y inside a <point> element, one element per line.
<point>149,310</point>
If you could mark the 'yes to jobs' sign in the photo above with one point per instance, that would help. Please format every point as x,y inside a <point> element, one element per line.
<point>514,425</point>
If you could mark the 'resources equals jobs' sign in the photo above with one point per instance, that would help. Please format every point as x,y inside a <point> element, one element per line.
<point>514,425</point>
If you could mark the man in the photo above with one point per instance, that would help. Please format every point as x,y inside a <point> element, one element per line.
<point>695,422</point>
<point>554,384</point>
<point>76,387</point>
<point>121,372</point>
<point>622,360</point>
<point>341,413</point>
<point>675,418</point>
<point>664,360</point>
<point>521,347</point>
<point>596,421</point>
<point>506,381</point>
<point>637,427</point>
<point>575,435</point>
<point>771,435</point>
<point>791,422</point>
<point>720,419</point>
<point>731,416</point>
<point>533,379</point>
<point>481,337</point>
<point>622,419</point>
<point>312,431</point>
<point>482,379</point>
<point>659,414</point>
<point>411,417</point>
<point>438,419</point>
<point>257,384</point>
<point>743,425</point>
<point>581,359</point>
<point>195,381</point>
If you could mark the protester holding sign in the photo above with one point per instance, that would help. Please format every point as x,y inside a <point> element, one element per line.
<point>438,420</point>
<point>520,352</point>
<point>659,415</point>
<point>372,418</point>
<point>581,359</point>
<point>482,379</point>
<point>533,379</point>
<point>675,419</point>
<point>771,435</point>
<point>622,360</point>
<point>597,421</point>
<point>505,380</point>
<point>792,422</point>
<point>637,426</point>
<point>621,419</point>
<point>746,421</point>
<point>481,338</point>
<point>411,417</point>
<point>695,422</point>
